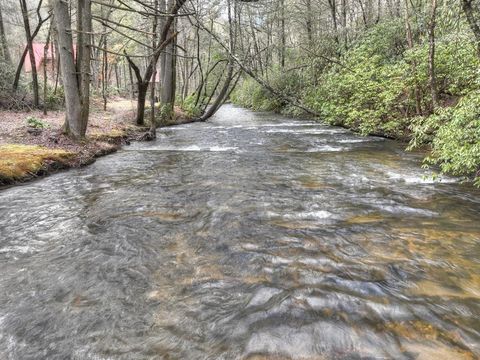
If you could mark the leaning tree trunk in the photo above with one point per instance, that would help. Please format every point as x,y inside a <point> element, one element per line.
<point>212,109</point>
<point>226,85</point>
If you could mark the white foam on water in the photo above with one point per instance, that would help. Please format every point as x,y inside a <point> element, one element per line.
<point>318,214</point>
<point>421,179</point>
<point>402,209</point>
<point>290,124</point>
<point>326,148</point>
<point>176,128</point>
<point>317,149</point>
<point>192,148</point>
<point>251,126</point>
<point>221,149</point>
<point>303,215</point>
<point>304,131</point>
<point>353,141</point>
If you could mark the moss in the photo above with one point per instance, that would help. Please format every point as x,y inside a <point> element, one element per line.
<point>114,136</point>
<point>18,162</point>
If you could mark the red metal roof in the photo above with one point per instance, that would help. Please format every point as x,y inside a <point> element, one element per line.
<point>38,49</point>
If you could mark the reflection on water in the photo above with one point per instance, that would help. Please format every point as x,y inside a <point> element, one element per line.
<point>253,236</point>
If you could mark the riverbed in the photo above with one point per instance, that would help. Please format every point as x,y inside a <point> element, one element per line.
<point>251,236</point>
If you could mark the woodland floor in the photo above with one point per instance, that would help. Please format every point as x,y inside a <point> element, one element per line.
<point>26,153</point>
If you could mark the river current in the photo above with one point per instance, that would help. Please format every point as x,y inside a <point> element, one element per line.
<point>251,236</point>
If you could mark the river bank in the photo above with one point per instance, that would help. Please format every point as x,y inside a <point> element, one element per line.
<point>32,145</point>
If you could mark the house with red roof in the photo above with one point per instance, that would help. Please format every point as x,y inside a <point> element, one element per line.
<point>38,49</point>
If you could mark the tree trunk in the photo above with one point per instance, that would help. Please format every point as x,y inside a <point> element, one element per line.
<point>28,35</point>
<point>70,82</point>
<point>84,18</point>
<point>283,35</point>
<point>224,91</point>
<point>431,55</point>
<point>168,80</point>
<point>117,77</point>
<point>153,122</point>
<point>45,54</point>
<point>417,91</point>
<point>344,23</point>
<point>142,97</point>
<point>164,40</point>
<point>472,16</point>
<point>333,10</point>
<point>132,87</point>
<point>221,96</point>
<point>309,23</point>
<point>104,69</point>
<point>25,51</point>
<point>5,54</point>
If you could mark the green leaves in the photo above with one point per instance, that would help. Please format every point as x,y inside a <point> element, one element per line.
<point>35,123</point>
<point>379,86</point>
<point>456,144</point>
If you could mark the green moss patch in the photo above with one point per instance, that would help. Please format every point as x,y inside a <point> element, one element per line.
<point>19,162</point>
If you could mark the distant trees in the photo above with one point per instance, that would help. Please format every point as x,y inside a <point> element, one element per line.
<point>394,67</point>
<point>105,47</point>
<point>4,52</point>
<point>201,49</point>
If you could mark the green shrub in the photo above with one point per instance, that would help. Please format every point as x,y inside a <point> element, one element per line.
<point>372,88</point>
<point>454,134</point>
<point>36,123</point>
<point>55,99</point>
<point>188,105</point>
<point>7,76</point>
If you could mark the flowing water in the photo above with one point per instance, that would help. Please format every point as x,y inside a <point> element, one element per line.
<point>252,236</point>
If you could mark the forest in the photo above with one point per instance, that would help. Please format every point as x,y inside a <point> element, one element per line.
<point>239,179</point>
<point>402,69</point>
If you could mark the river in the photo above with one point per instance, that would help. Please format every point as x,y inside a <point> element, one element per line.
<point>252,236</point>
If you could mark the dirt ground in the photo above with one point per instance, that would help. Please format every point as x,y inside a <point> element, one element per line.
<point>14,128</point>
<point>22,147</point>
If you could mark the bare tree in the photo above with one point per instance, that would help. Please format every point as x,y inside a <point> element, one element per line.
<point>31,53</point>
<point>77,88</point>
<point>40,22</point>
<point>4,53</point>
<point>143,81</point>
